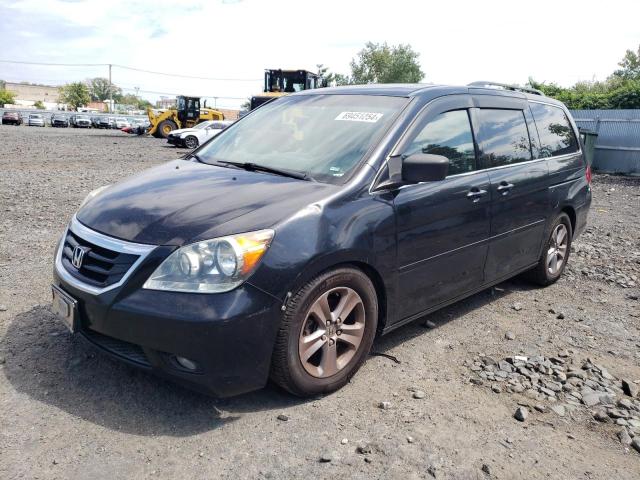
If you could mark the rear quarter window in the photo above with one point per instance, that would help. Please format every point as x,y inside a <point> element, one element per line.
<point>555,132</point>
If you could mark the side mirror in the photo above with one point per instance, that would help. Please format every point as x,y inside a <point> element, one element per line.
<point>424,167</point>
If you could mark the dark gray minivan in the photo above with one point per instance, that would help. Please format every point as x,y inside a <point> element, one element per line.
<point>280,248</point>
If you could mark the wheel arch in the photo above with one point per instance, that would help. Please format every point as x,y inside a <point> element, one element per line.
<point>571,213</point>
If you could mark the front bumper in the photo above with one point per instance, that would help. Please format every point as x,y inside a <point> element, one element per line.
<point>230,336</point>
<point>174,140</point>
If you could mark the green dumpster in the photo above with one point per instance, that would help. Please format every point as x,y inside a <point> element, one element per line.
<point>588,138</point>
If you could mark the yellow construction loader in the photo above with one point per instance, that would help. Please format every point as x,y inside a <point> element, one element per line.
<point>279,82</point>
<point>186,115</point>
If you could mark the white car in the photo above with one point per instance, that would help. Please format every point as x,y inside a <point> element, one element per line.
<point>122,122</point>
<point>35,120</point>
<point>196,136</point>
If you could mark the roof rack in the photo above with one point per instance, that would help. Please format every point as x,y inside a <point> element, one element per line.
<point>506,86</point>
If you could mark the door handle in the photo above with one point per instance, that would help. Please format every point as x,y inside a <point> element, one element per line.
<point>505,187</point>
<point>475,194</point>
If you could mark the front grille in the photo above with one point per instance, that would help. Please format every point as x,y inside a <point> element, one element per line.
<point>120,348</point>
<point>100,266</point>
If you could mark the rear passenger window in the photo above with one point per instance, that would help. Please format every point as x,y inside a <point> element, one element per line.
<point>503,137</point>
<point>556,135</point>
<point>449,134</point>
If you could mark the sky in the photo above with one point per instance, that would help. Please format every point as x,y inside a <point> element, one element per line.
<point>231,42</point>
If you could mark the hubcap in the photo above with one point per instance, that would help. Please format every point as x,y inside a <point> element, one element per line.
<point>557,252</point>
<point>332,332</point>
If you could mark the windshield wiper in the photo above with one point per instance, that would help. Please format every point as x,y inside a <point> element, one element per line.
<point>193,155</point>
<point>254,167</point>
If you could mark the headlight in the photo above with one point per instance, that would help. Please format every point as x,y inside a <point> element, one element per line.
<point>211,266</point>
<point>93,194</point>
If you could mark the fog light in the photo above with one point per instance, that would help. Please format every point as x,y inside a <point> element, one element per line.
<point>186,363</point>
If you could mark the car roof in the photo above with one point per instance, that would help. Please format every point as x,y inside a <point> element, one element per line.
<point>423,90</point>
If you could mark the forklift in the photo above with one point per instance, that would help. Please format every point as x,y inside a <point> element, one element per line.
<point>278,82</point>
<point>187,114</point>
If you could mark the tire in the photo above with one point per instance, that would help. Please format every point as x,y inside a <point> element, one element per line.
<point>318,374</point>
<point>191,142</point>
<point>546,272</point>
<point>165,128</point>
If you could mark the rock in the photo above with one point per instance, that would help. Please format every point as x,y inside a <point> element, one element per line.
<point>410,439</point>
<point>560,316</point>
<point>541,408</point>
<point>517,306</point>
<point>521,414</point>
<point>419,394</point>
<point>431,470</point>
<point>326,457</point>
<point>283,418</point>
<point>624,437</point>
<point>558,409</point>
<point>384,405</point>
<point>591,399</point>
<point>496,388</point>
<point>3,360</point>
<point>510,336</point>
<point>630,388</point>
<point>364,448</point>
<point>625,403</point>
<point>601,416</point>
<point>505,366</point>
<point>486,469</point>
<point>3,308</point>
<point>636,444</point>
<point>344,441</point>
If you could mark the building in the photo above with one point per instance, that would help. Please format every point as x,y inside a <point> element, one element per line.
<point>27,94</point>
<point>165,102</point>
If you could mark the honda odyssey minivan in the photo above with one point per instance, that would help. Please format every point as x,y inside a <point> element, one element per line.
<point>280,248</point>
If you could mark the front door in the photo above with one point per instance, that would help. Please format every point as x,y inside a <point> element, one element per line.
<point>442,227</point>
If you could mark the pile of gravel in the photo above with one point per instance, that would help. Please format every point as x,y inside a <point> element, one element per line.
<point>566,387</point>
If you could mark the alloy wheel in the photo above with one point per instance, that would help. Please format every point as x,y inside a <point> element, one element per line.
<point>557,252</point>
<point>332,332</point>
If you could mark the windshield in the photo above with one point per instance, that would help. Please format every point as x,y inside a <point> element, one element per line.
<point>323,136</point>
<point>202,125</point>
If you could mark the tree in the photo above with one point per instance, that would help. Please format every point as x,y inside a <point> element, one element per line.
<point>39,105</point>
<point>331,78</point>
<point>381,63</point>
<point>6,97</point>
<point>100,89</point>
<point>75,95</point>
<point>630,64</point>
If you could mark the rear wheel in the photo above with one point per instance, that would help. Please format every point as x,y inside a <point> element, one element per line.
<point>165,128</point>
<point>191,142</point>
<point>555,254</point>
<point>326,333</point>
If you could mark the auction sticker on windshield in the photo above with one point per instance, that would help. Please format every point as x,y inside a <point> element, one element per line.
<point>359,116</point>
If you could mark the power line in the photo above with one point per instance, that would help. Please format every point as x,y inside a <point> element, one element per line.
<point>125,67</point>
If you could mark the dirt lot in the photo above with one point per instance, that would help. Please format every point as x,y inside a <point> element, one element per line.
<point>69,412</point>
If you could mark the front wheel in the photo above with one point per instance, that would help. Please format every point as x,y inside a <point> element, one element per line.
<point>191,142</point>
<point>555,254</point>
<point>326,333</point>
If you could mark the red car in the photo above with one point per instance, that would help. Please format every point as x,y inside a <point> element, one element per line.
<point>13,118</point>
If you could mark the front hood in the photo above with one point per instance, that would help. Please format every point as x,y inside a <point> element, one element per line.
<point>181,202</point>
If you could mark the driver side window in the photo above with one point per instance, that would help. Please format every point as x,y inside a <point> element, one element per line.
<point>448,134</point>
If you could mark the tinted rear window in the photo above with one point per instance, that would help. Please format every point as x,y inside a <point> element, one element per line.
<point>503,137</point>
<point>556,135</point>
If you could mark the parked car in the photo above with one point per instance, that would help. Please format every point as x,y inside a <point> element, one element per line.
<point>121,122</point>
<point>59,120</point>
<point>193,137</point>
<point>95,121</point>
<point>283,246</point>
<point>80,121</point>
<point>11,118</point>
<point>106,122</point>
<point>35,120</point>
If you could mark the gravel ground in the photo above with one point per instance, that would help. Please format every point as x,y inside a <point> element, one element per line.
<point>69,412</point>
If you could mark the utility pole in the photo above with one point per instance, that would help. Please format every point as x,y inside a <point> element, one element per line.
<point>110,91</point>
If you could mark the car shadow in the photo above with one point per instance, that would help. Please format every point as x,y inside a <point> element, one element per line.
<point>45,362</point>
